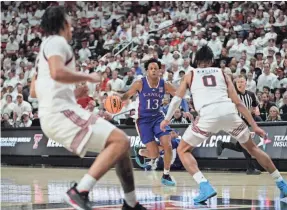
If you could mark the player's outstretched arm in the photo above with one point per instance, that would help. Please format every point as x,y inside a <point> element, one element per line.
<point>60,73</point>
<point>172,91</point>
<point>242,108</point>
<point>136,86</point>
<point>175,102</point>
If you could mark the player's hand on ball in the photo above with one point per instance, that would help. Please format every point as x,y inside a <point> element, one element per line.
<point>259,132</point>
<point>163,125</point>
<point>95,77</point>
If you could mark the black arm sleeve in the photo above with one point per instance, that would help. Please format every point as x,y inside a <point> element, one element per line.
<point>254,100</point>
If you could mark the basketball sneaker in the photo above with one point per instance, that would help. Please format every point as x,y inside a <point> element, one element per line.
<point>148,165</point>
<point>166,180</point>
<point>78,200</point>
<point>137,207</point>
<point>206,191</point>
<point>282,185</point>
<point>253,172</point>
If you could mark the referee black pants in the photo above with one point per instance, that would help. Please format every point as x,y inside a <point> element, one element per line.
<point>238,148</point>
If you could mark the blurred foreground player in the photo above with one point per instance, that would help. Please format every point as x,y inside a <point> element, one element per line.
<point>64,121</point>
<point>216,100</point>
<point>151,90</point>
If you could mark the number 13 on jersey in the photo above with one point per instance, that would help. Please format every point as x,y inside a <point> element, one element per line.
<point>152,104</point>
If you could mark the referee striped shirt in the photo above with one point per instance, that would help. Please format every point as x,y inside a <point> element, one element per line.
<point>249,100</point>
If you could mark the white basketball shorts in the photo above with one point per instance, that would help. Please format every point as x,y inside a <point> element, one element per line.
<point>215,118</point>
<point>77,130</point>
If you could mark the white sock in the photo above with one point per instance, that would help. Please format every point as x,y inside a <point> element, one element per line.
<point>165,171</point>
<point>198,177</point>
<point>131,199</point>
<point>276,176</point>
<point>87,183</point>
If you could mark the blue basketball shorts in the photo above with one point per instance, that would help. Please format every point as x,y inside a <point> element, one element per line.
<point>150,129</point>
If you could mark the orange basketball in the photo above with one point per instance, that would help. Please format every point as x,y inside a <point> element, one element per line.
<point>113,104</point>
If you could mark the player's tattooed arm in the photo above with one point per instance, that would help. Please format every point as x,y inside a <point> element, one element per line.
<point>136,86</point>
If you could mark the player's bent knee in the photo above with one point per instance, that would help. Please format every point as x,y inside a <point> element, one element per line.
<point>154,155</point>
<point>180,151</point>
<point>184,147</point>
<point>119,137</point>
<point>167,146</point>
<point>250,147</point>
<point>244,138</point>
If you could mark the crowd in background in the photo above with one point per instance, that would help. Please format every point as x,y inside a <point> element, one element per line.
<point>116,38</point>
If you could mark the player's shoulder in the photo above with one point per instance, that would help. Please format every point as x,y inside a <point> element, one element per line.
<point>55,39</point>
<point>54,43</point>
<point>138,82</point>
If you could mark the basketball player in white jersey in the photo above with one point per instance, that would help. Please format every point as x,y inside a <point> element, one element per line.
<point>64,121</point>
<point>216,102</point>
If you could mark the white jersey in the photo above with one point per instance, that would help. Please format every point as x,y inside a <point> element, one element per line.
<point>54,96</point>
<point>208,86</point>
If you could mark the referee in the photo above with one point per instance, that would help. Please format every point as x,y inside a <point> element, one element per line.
<point>249,99</point>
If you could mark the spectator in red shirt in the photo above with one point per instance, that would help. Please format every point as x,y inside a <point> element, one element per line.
<point>84,101</point>
<point>105,81</point>
<point>83,98</point>
<point>175,42</point>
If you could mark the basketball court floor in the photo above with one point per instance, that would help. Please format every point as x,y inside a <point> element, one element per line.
<point>41,188</point>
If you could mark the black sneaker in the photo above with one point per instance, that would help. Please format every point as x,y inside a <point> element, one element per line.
<point>253,172</point>
<point>137,207</point>
<point>167,180</point>
<point>219,148</point>
<point>78,200</point>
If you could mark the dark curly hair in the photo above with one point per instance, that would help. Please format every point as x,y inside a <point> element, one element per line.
<point>53,20</point>
<point>204,55</point>
<point>153,60</point>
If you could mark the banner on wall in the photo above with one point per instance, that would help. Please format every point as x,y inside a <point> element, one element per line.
<point>32,142</point>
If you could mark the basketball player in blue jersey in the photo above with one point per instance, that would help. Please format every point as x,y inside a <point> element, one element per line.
<point>151,90</point>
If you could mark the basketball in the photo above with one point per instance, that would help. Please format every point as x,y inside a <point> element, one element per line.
<point>113,104</point>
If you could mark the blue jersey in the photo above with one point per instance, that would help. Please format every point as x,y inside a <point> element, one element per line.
<point>150,100</point>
